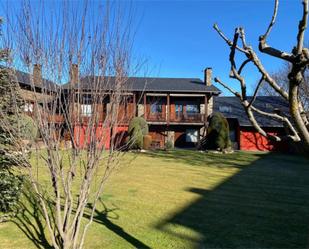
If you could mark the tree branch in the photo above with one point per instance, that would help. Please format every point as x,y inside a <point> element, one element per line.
<point>294,137</point>
<point>256,90</point>
<point>302,28</point>
<point>228,41</point>
<point>237,94</point>
<point>265,48</point>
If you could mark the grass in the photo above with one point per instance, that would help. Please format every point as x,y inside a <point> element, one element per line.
<point>187,199</point>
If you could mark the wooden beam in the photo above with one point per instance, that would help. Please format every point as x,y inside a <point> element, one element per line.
<point>145,107</point>
<point>134,104</point>
<point>186,95</point>
<point>156,94</point>
<point>168,109</point>
<point>206,110</point>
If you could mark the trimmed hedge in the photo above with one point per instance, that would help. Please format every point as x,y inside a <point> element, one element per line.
<point>28,129</point>
<point>138,128</point>
<point>218,136</point>
<point>169,145</point>
<point>10,190</point>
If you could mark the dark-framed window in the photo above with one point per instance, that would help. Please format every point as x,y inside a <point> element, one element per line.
<point>192,108</point>
<point>178,109</point>
<point>86,110</point>
<point>156,106</point>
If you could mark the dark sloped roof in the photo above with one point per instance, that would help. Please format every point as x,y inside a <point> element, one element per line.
<point>24,78</point>
<point>231,107</point>
<point>150,84</point>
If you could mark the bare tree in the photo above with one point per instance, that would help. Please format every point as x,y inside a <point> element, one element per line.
<point>281,77</point>
<point>298,60</point>
<point>56,44</point>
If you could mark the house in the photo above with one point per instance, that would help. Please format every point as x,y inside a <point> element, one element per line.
<point>176,109</point>
<point>242,134</point>
<point>36,92</point>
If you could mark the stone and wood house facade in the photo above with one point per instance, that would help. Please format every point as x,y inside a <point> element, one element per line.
<point>176,109</point>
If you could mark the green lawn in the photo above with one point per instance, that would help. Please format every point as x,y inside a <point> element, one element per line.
<point>189,199</point>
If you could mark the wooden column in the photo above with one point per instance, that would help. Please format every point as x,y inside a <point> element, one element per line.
<point>206,110</point>
<point>168,109</point>
<point>145,107</point>
<point>134,104</point>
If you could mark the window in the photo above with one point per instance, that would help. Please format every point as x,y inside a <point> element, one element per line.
<point>156,107</point>
<point>178,109</point>
<point>28,107</point>
<point>86,110</point>
<point>268,106</point>
<point>192,109</point>
<point>191,136</point>
<point>225,109</point>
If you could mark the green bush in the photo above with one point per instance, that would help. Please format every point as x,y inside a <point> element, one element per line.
<point>169,145</point>
<point>10,186</point>
<point>138,128</point>
<point>218,136</point>
<point>147,142</point>
<point>27,128</point>
<point>11,103</point>
<point>138,122</point>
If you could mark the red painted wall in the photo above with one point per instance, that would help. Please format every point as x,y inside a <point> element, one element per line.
<point>82,136</point>
<point>102,135</point>
<point>251,140</point>
<point>120,134</point>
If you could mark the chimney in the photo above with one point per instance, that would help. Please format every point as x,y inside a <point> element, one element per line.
<point>208,76</point>
<point>74,74</point>
<point>37,74</point>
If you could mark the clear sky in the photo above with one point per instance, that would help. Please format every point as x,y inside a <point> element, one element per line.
<point>178,40</point>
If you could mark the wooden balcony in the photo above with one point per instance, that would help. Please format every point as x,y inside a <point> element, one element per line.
<point>188,118</point>
<point>55,118</point>
<point>156,117</point>
<point>125,120</point>
<point>177,118</point>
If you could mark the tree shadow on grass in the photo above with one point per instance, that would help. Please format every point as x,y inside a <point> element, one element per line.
<point>29,219</point>
<point>104,217</point>
<point>265,205</point>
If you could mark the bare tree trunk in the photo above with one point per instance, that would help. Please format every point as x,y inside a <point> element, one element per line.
<point>298,59</point>
<point>92,54</point>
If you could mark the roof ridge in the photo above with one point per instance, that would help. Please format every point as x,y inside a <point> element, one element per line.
<point>141,77</point>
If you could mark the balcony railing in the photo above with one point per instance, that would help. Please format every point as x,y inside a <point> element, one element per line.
<point>178,118</point>
<point>55,118</point>
<point>188,118</point>
<point>156,117</point>
<point>124,120</point>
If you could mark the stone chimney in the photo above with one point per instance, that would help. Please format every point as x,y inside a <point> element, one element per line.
<point>208,82</point>
<point>74,74</point>
<point>208,76</point>
<point>37,75</point>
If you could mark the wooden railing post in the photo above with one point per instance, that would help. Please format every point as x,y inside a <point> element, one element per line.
<point>168,109</point>
<point>145,107</point>
<point>206,110</point>
<point>134,105</point>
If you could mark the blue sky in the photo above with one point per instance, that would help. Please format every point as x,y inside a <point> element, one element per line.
<point>178,40</point>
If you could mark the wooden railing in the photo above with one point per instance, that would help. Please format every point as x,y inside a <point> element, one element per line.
<point>188,118</point>
<point>125,120</point>
<point>156,117</point>
<point>55,118</point>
